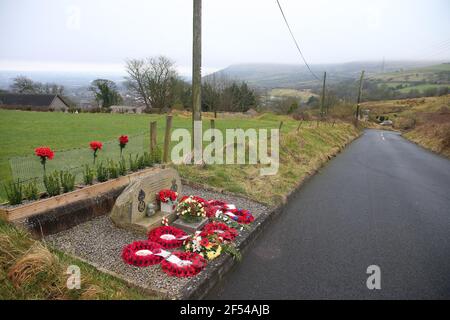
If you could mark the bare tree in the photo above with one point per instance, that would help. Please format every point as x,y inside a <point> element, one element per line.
<point>153,81</point>
<point>22,84</point>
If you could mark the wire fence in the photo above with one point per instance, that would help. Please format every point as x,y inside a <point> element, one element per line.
<point>28,168</point>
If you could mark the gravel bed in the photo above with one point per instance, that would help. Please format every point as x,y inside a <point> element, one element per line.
<point>100,242</point>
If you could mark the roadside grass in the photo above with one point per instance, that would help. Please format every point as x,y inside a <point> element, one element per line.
<point>425,121</point>
<point>30,270</point>
<point>301,153</point>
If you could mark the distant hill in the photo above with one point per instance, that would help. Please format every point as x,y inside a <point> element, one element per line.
<point>268,76</point>
<point>422,79</point>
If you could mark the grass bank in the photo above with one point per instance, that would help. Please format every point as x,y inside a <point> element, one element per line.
<point>425,121</point>
<point>301,153</point>
<point>30,270</point>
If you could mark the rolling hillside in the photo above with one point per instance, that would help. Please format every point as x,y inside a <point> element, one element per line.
<point>268,76</point>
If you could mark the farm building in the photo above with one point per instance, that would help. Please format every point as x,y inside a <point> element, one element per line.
<point>36,102</point>
<point>126,109</point>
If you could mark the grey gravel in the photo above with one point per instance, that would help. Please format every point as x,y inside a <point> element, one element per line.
<point>100,243</point>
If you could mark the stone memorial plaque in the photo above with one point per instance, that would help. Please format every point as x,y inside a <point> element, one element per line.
<point>129,210</point>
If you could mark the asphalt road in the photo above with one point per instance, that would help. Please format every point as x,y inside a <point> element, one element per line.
<point>384,201</point>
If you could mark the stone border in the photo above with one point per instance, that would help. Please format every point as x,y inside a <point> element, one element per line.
<point>216,270</point>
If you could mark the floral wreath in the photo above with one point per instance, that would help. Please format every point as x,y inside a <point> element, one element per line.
<point>142,254</point>
<point>196,198</point>
<point>183,264</point>
<point>241,216</point>
<point>168,237</point>
<point>215,205</point>
<point>191,208</point>
<point>221,229</point>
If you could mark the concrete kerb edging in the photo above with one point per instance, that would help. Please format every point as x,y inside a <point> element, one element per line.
<point>216,270</point>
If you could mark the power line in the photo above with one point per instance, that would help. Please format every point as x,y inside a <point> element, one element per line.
<point>296,43</point>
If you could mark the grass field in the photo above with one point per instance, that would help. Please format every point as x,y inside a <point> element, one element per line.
<point>23,131</point>
<point>304,95</point>
<point>27,130</point>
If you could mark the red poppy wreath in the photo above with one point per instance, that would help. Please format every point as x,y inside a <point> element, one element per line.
<point>183,264</point>
<point>168,237</point>
<point>221,229</point>
<point>142,253</point>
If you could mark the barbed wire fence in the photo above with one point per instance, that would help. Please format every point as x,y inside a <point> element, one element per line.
<point>28,168</point>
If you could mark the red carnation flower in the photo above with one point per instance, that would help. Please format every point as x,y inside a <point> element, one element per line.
<point>123,140</point>
<point>96,145</point>
<point>44,153</point>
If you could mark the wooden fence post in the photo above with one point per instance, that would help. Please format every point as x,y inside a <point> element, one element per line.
<point>153,140</point>
<point>213,126</point>
<point>281,124</point>
<point>167,138</point>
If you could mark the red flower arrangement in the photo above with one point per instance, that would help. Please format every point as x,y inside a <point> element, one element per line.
<point>221,229</point>
<point>44,153</point>
<point>167,195</point>
<point>213,206</point>
<point>195,264</point>
<point>123,140</point>
<point>142,253</point>
<point>95,146</point>
<point>242,216</point>
<point>168,237</point>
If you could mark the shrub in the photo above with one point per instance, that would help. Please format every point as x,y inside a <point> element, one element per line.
<point>102,173</point>
<point>142,162</point>
<point>113,170</point>
<point>147,159</point>
<point>67,181</point>
<point>14,192</point>
<point>134,163</point>
<point>122,167</point>
<point>156,155</point>
<point>52,184</point>
<point>88,175</point>
<point>31,191</point>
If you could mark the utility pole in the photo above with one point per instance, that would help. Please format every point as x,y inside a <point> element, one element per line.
<point>359,96</point>
<point>323,96</point>
<point>196,65</point>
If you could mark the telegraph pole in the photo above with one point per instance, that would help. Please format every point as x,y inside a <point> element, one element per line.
<point>196,65</point>
<point>322,105</point>
<point>359,96</point>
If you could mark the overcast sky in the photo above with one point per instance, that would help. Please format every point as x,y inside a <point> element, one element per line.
<point>101,34</point>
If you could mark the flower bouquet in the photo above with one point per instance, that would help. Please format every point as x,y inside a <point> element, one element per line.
<point>191,210</point>
<point>209,245</point>
<point>168,199</point>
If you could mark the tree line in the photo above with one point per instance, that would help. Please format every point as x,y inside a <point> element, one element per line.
<point>155,84</point>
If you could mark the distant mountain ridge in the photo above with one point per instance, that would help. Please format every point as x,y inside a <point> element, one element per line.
<point>270,75</point>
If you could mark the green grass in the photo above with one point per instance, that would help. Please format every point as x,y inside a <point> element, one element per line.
<point>27,130</point>
<point>23,131</point>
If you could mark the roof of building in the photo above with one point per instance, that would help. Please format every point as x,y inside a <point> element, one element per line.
<point>38,100</point>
